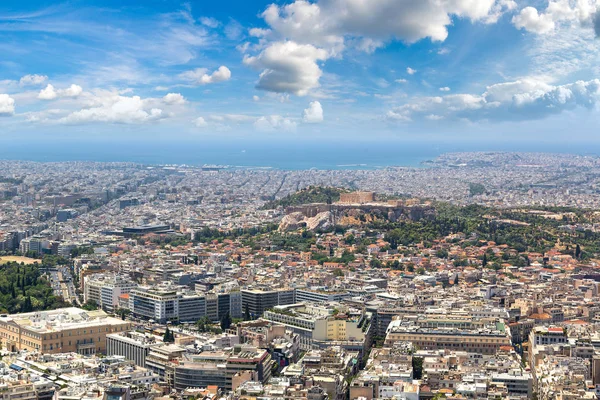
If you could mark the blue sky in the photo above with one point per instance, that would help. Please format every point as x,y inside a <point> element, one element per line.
<point>497,70</point>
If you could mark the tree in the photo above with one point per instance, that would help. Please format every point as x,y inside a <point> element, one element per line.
<point>484,261</point>
<point>226,321</point>
<point>169,337</point>
<point>90,305</point>
<point>203,324</point>
<point>577,252</point>
<point>417,364</point>
<point>247,316</point>
<point>122,312</point>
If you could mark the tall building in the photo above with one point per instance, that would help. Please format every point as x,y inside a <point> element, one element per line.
<point>171,303</point>
<point>320,296</point>
<point>65,215</point>
<point>133,346</point>
<point>324,325</point>
<point>220,367</point>
<point>59,331</point>
<point>105,289</point>
<point>157,303</point>
<point>257,301</point>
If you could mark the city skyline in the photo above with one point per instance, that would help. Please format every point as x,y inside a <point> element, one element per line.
<point>489,70</point>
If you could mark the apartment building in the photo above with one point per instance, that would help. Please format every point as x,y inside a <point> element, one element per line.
<point>220,367</point>
<point>322,324</point>
<point>105,289</point>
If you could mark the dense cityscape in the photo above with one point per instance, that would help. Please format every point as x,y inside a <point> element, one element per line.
<point>471,277</point>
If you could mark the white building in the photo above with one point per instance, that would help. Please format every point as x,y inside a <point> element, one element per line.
<point>105,289</point>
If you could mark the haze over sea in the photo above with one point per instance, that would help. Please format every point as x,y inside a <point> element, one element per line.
<point>287,155</point>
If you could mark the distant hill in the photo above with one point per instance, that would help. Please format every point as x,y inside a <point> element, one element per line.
<point>312,194</point>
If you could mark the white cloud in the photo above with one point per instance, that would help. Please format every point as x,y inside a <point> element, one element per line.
<point>558,12</point>
<point>50,93</point>
<point>327,23</point>
<point>235,118</point>
<point>444,89</point>
<point>33,80</point>
<point>200,75</point>
<point>288,67</point>
<point>255,98</point>
<point>210,22</point>
<point>174,99</point>
<point>7,105</point>
<point>274,123</point>
<point>530,20</point>
<point>519,100</point>
<point>233,30</point>
<point>411,71</point>
<point>71,91</point>
<point>401,81</point>
<point>302,33</point>
<point>313,114</point>
<point>200,122</point>
<point>114,108</point>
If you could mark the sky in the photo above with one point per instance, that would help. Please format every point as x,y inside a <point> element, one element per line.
<point>464,70</point>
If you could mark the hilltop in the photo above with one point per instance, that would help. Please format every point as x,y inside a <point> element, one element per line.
<point>312,194</point>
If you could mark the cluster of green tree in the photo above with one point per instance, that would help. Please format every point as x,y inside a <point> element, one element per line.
<point>540,235</point>
<point>347,257</point>
<point>22,289</point>
<point>312,194</point>
<point>476,189</point>
<point>205,325</point>
<point>80,251</point>
<point>207,234</point>
<point>90,305</point>
<point>172,240</point>
<point>292,241</point>
<point>169,337</point>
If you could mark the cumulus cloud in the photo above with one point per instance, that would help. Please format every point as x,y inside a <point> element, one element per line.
<point>274,123</point>
<point>7,105</point>
<point>520,100</point>
<point>313,114</point>
<point>411,71</point>
<point>255,98</point>
<point>114,108</point>
<point>303,33</point>
<point>200,122</point>
<point>200,75</point>
<point>327,23</point>
<point>444,89</point>
<point>558,12</point>
<point>288,67</point>
<point>174,99</point>
<point>50,93</point>
<point>401,81</point>
<point>529,19</point>
<point>32,80</point>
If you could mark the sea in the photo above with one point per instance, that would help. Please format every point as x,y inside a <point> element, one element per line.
<point>284,155</point>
